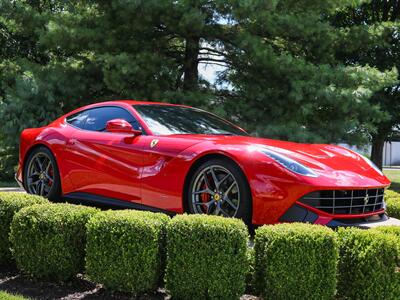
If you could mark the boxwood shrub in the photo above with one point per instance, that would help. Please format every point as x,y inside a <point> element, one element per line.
<point>393,207</point>
<point>48,241</point>
<point>8,296</point>
<point>392,199</point>
<point>295,261</point>
<point>126,249</point>
<point>11,203</point>
<point>389,194</point>
<point>206,257</point>
<point>368,265</point>
<point>395,230</point>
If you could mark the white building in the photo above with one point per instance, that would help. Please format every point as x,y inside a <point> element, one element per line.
<point>391,154</point>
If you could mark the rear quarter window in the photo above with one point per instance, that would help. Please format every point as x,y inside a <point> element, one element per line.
<point>78,119</point>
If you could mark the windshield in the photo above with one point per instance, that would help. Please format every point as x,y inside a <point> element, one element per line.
<point>165,119</point>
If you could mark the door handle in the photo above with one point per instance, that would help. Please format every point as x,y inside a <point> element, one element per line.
<point>72,141</point>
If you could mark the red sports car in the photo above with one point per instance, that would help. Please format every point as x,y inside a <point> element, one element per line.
<point>176,159</point>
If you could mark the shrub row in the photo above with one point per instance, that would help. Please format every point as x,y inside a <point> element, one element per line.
<point>10,204</point>
<point>48,240</point>
<point>204,257</point>
<point>296,261</point>
<point>125,250</point>
<point>394,230</point>
<point>369,263</point>
<point>392,203</point>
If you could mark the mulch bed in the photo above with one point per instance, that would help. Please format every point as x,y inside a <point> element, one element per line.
<point>12,281</point>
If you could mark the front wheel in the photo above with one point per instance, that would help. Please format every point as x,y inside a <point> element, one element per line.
<point>41,176</point>
<point>218,187</point>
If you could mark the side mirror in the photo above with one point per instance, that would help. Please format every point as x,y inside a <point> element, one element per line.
<point>121,126</point>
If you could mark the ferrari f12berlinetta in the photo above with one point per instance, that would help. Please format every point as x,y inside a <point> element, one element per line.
<point>176,159</point>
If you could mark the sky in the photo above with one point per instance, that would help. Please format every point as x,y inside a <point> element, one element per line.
<point>210,71</point>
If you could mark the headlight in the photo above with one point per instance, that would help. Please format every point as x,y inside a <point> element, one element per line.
<point>371,164</point>
<point>289,163</point>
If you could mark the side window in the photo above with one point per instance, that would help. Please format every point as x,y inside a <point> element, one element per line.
<point>78,119</point>
<point>98,118</point>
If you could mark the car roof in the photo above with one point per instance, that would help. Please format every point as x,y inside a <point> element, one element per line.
<point>122,103</point>
<point>138,102</point>
<point>119,102</point>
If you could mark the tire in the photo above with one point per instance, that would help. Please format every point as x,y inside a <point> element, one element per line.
<point>37,169</point>
<point>214,199</point>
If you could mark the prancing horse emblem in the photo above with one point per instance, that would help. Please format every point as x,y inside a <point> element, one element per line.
<point>153,143</point>
<point>366,199</point>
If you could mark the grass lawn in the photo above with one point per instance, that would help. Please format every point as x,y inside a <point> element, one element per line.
<point>6,296</point>
<point>11,183</point>
<point>394,176</point>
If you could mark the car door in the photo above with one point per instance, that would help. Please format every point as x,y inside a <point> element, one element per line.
<point>104,163</point>
<point>164,171</point>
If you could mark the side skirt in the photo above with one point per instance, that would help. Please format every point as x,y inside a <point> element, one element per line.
<point>106,202</point>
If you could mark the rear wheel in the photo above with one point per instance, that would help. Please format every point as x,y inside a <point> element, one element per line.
<point>41,176</point>
<point>218,187</point>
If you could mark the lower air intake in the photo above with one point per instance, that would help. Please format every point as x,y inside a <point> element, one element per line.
<point>346,202</point>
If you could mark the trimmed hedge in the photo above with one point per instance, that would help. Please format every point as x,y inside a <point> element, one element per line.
<point>395,230</point>
<point>393,207</point>
<point>296,261</point>
<point>7,296</point>
<point>368,265</point>
<point>126,249</point>
<point>389,194</point>
<point>11,203</point>
<point>48,241</point>
<point>392,203</point>
<point>206,257</point>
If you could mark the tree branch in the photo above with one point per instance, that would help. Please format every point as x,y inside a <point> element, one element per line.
<point>213,63</point>
<point>213,50</point>
<point>213,59</point>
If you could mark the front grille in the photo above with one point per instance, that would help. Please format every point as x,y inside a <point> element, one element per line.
<point>346,202</point>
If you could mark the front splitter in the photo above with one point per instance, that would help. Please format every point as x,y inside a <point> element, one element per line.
<point>384,221</point>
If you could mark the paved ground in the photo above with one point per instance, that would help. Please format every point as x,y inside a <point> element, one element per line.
<point>12,189</point>
<point>389,222</point>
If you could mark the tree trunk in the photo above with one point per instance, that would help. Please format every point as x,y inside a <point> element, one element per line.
<point>377,150</point>
<point>191,77</point>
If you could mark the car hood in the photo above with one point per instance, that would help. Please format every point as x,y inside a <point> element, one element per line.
<point>331,161</point>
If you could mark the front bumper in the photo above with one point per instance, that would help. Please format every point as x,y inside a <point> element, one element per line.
<point>384,220</point>
<point>299,213</point>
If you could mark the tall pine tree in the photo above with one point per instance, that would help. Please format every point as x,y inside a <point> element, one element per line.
<point>287,81</point>
<point>283,77</point>
<point>378,23</point>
